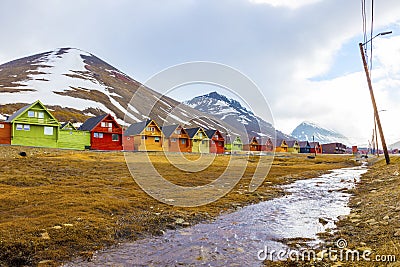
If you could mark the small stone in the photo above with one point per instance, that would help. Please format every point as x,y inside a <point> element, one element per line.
<point>342,217</point>
<point>371,221</point>
<point>384,223</point>
<point>363,244</point>
<point>68,224</point>
<point>240,250</point>
<point>45,235</point>
<point>397,209</point>
<point>57,227</point>
<point>397,233</point>
<point>386,217</point>
<point>179,221</point>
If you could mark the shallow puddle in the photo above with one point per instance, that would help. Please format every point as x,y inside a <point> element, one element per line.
<point>241,238</point>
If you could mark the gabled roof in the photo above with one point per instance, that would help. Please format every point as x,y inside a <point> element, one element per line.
<point>280,141</point>
<point>210,133</point>
<point>313,144</point>
<point>169,130</point>
<point>304,144</point>
<point>67,124</point>
<point>253,140</point>
<point>91,123</point>
<point>291,143</point>
<point>193,131</point>
<point>137,128</point>
<point>25,108</point>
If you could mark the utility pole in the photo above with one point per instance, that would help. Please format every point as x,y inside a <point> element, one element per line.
<point>376,113</point>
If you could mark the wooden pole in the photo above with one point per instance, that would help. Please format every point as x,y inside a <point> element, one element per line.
<point>371,92</point>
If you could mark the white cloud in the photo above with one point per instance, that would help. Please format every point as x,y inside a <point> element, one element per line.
<point>285,3</point>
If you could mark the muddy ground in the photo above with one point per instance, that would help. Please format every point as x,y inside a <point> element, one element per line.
<point>59,204</point>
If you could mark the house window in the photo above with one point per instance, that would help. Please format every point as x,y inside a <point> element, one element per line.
<point>150,129</point>
<point>173,140</point>
<point>200,135</point>
<point>177,131</point>
<point>128,138</point>
<point>1,126</point>
<point>103,124</point>
<point>19,127</point>
<point>157,139</point>
<point>98,135</point>
<point>203,142</point>
<point>212,142</point>
<point>144,137</point>
<point>31,114</point>
<point>110,125</point>
<point>27,127</point>
<point>183,141</point>
<point>115,137</point>
<point>48,130</point>
<point>41,115</point>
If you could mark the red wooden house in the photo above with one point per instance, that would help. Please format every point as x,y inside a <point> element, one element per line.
<point>5,133</point>
<point>253,145</point>
<point>268,146</point>
<point>217,141</point>
<point>105,132</point>
<point>315,147</point>
<point>176,139</point>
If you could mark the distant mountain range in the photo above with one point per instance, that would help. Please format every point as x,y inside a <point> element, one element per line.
<point>233,113</point>
<point>75,85</point>
<point>307,130</point>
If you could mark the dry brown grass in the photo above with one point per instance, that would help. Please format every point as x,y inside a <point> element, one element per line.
<point>58,204</point>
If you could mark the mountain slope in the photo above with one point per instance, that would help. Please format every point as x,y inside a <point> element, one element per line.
<point>306,130</point>
<point>233,113</point>
<point>77,84</point>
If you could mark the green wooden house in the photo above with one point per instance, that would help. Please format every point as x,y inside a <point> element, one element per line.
<point>235,146</point>
<point>71,138</point>
<point>199,140</point>
<point>34,125</point>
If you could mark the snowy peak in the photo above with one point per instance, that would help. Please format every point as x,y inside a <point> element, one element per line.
<point>76,84</point>
<point>233,113</point>
<point>305,131</point>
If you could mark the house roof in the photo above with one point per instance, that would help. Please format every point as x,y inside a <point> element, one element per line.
<point>136,128</point>
<point>304,143</point>
<point>313,144</point>
<point>169,130</point>
<point>210,133</point>
<point>90,123</point>
<point>291,143</point>
<point>63,125</point>
<point>19,112</point>
<point>25,108</point>
<point>192,131</point>
<point>279,142</point>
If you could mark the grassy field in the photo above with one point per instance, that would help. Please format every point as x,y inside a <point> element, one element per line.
<point>59,204</point>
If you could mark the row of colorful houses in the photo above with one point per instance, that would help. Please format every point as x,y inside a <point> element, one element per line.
<point>34,125</point>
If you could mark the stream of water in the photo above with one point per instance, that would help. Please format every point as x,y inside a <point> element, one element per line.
<point>237,239</point>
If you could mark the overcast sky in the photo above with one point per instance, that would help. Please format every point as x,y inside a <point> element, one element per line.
<point>302,54</point>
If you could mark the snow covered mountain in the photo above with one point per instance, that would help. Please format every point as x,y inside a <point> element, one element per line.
<point>306,130</point>
<point>233,113</point>
<point>75,85</point>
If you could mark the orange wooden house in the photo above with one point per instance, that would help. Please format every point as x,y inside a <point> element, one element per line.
<point>176,139</point>
<point>143,136</point>
<point>5,133</point>
<point>217,141</point>
<point>253,145</point>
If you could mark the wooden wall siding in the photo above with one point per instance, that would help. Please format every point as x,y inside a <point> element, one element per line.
<point>34,135</point>
<point>106,135</point>
<point>148,143</point>
<point>5,133</point>
<point>235,146</point>
<point>34,125</point>
<point>74,139</point>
